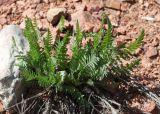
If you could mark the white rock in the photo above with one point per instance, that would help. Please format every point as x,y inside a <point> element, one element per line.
<point>148,18</point>
<point>10,81</point>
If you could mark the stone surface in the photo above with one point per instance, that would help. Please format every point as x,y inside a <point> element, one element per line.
<point>146,62</point>
<point>37,1</point>
<point>150,107</point>
<point>151,52</point>
<point>3,2</point>
<point>1,106</point>
<point>81,7</point>
<point>54,15</point>
<point>29,13</point>
<point>86,21</point>
<point>10,81</point>
<point>115,4</point>
<point>3,20</point>
<point>94,5</point>
<point>157,1</point>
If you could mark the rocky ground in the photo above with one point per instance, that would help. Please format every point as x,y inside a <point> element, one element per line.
<point>127,16</point>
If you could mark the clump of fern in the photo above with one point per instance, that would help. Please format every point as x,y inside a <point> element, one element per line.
<point>89,64</point>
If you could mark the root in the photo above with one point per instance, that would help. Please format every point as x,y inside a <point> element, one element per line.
<point>107,104</point>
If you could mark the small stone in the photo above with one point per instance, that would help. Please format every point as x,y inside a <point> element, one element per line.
<point>114,20</point>
<point>152,52</point>
<point>46,1</point>
<point>3,21</point>
<point>141,1</point>
<point>54,15</point>
<point>81,7</point>
<point>150,107</point>
<point>37,1</point>
<point>121,30</point>
<point>3,2</point>
<point>146,62</point>
<point>72,6</point>
<point>29,13</point>
<point>86,21</point>
<point>155,42</point>
<point>113,4</point>
<point>20,3</point>
<point>94,5</point>
<point>125,6</point>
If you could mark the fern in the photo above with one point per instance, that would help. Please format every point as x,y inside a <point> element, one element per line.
<point>88,65</point>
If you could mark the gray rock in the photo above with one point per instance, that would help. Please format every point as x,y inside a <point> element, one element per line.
<point>54,15</point>
<point>10,81</point>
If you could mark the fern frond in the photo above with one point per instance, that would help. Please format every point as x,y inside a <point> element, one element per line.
<point>31,34</point>
<point>30,30</point>
<point>88,65</point>
<point>133,46</point>
<point>48,44</point>
<point>108,36</point>
<point>61,49</point>
<point>28,75</point>
<point>97,39</point>
<point>45,81</point>
<point>79,34</point>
